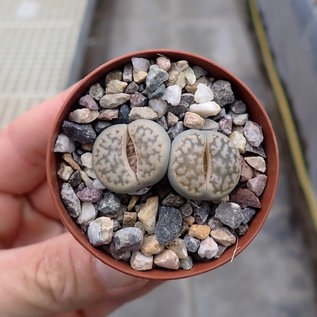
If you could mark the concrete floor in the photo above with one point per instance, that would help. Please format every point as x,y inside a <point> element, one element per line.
<point>273,276</point>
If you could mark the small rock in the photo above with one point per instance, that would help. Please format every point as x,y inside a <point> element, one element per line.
<point>186,264</point>
<point>186,209</point>
<point>123,116</point>
<point>100,231</point>
<point>129,218</point>
<point>208,248</point>
<point>116,86</point>
<point>74,179</point>
<point>100,125</point>
<point>158,93</point>
<point>221,250</point>
<point>164,63</point>
<point>132,202</point>
<point>96,184</point>
<point>240,119</point>
<point>127,73</point>
<point>64,172</point>
<point>86,159</point>
<point>246,198</point>
<point>190,76</point>
<point>88,147</point>
<point>68,158</point>
<point>140,64</point>
<point>139,77</point>
<point>205,109</point>
<point>114,100</point>
<point>246,171</point>
<point>223,236</point>
<point>238,141</point>
<point>192,88</point>
<point>179,247</point>
<point>89,194</point>
<point>168,225</point>
<point>85,178</point>
<point>138,100</point>
<point>253,133</point>
<point>238,107</point>
<point>225,125</point>
<point>147,214</point>
<point>142,113</point>
<point>210,125</point>
<point>109,205</point>
<point>155,78</point>
<point>141,191</point>
<point>190,220</point>
<point>140,262</point>
<point>257,162</point>
<point>114,75</point>
<point>128,239</point>
<point>173,132</point>
<point>214,223</point>
<point>180,65</point>
<point>88,101</point>
<point>173,200</point>
<point>199,71</point>
<point>187,98</point>
<point>151,245</point>
<point>172,95</point>
<point>171,119</point>
<point>64,144</point>
<point>109,114</point>
<point>163,123</point>
<point>139,225</point>
<point>167,259</point>
<point>116,225</point>
<point>90,172</point>
<point>82,133</point>
<point>159,106</point>
<point>70,200</point>
<point>220,115</point>
<point>257,184</point>
<point>96,91</point>
<point>242,229</point>
<point>229,213</point>
<point>255,150</point>
<point>223,93</point>
<point>247,214</point>
<point>87,214</point>
<point>192,244</point>
<point>201,213</point>
<point>179,110</point>
<point>119,255</point>
<point>193,120</point>
<point>132,88</point>
<point>199,231</point>
<point>203,94</point>
<point>183,230</point>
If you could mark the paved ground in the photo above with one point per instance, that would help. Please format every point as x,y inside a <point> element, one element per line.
<point>273,276</point>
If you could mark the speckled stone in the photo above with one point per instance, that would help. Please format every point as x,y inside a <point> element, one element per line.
<point>109,205</point>
<point>199,231</point>
<point>96,91</point>
<point>74,179</point>
<point>173,132</point>
<point>199,71</point>
<point>108,114</point>
<point>245,198</point>
<point>214,223</point>
<point>70,200</point>
<point>64,144</point>
<point>155,78</point>
<point>257,184</point>
<point>208,248</point>
<point>116,86</point>
<point>247,214</point>
<point>139,77</point>
<point>100,231</point>
<point>140,262</point>
<point>88,101</point>
<point>128,239</point>
<point>138,100</point>
<point>201,213</point>
<point>242,229</point>
<point>132,88</point>
<point>129,218</point>
<point>173,200</point>
<point>223,93</point>
<point>82,133</point>
<point>186,209</point>
<point>223,236</point>
<point>229,213</point>
<point>186,264</point>
<point>192,244</point>
<point>190,220</point>
<point>238,107</point>
<point>253,133</point>
<point>89,194</point>
<point>167,259</point>
<point>119,255</point>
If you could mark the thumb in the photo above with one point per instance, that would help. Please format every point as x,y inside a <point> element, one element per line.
<point>59,275</point>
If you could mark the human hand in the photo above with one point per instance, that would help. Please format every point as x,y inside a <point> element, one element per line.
<point>43,270</point>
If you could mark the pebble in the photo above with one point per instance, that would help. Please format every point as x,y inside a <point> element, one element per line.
<point>164,63</point>
<point>163,123</point>
<point>223,236</point>
<point>186,264</point>
<point>239,141</point>
<point>201,213</point>
<point>223,93</point>
<point>205,109</point>
<point>85,178</point>
<point>247,214</point>
<point>193,120</point>
<point>257,184</point>
<point>142,113</point>
<point>255,150</point>
<point>203,94</point>
<point>210,125</point>
<point>245,198</point>
<point>140,262</point>
<point>221,250</point>
<point>100,125</point>
<point>159,106</point>
<point>238,107</point>
<point>70,200</point>
<point>192,244</point>
<point>155,78</point>
<point>75,179</point>
<point>148,213</point>
<point>129,218</point>
<point>167,259</point>
<point>171,119</point>
<point>180,65</point>
<point>89,194</point>
<point>220,115</point>
<point>214,223</point>
<point>240,119</point>
<point>192,88</point>
<point>190,76</point>
<point>128,239</point>
<point>116,225</point>
<point>242,229</point>
<point>114,100</point>
<point>86,159</point>
<point>178,110</point>
<point>119,255</point>
<point>140,64</point>
<point>138,100</point>
<point>257,162</point>
<point>64,144</point>
<point>181,80</point>
<point>208,248</point>
<point>253,133</point>
<point>123,116</point>
<point>246,171</point>
<point>132,202</point>
<point>87,147</point>
<point>87,214</point>
<point>190,220</point>
<point>151,245</point>
<point>132,88</point>
<point>116,74</point>
<point>68,158</point>
<point>65,172</point>
<point>199,231</point>
<point>100,231</point>
<point>159,92</point>
<point>225,124</point>
<point>187,98</point>
<point>186,209</point>
<point>88,102</point>
<point>139,225</point>
<point>199,71</point>
<point>127,73</point>
<point>96,91</point>
<point>97,184</point>
<point>139,77</point>
<point>229,213</point>
<point>172,95</point>
<point>109,114</point>
<point>82,133</point>
<point>109,205</point>
<point>168,225</point>
<point>178,246</point>
<point>90,172</point>
<point>173,200</point>
<point>116,86</point>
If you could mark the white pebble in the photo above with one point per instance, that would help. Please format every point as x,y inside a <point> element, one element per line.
<point>172,95</point>
<point>100,231</point>
<point>140,64</point>
<point>205,109</point>
<point>140,262</point>
<point>88,213</point>
<point>190,76</point>
<point>203,94</point>
<point>86,159</point>
<point>208,248</point>
<point>84,115</point>
<point>64,144</point>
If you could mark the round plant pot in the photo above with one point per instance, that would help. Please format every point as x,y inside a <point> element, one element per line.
<point>257,114</point>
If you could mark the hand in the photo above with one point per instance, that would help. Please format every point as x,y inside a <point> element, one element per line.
<point>43,270</point>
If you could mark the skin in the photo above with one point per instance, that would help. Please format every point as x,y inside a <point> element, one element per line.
<point>43,270</point>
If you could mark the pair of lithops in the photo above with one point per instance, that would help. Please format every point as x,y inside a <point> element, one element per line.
<point>201,165</point>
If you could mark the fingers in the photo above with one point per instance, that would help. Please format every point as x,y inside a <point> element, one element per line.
<point>59,275</point>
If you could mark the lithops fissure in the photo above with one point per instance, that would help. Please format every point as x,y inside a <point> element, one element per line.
<point>204,165</point>
<point>128,157</point>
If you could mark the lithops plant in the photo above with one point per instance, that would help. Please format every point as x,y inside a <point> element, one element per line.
<point>204,165</point>
<point>129,157</point>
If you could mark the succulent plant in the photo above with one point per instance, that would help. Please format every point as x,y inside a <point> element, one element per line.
<point>204,165</point>
<point>128,157</point>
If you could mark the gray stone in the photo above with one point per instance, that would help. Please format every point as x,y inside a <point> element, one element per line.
<point>210,125</point>
<point>123,116</point>
<point>64,172</point>
<point>142,113</point>
<point>116,225</point>
<point>186,264</point>
<point>257,184</point>
<point>97,184</point>
<point>113,75</point>
<point>255,150</point>
<point>173,132</point>
<point>238,107</point>
<point>192,244</point>
<point>221,250</point>
<point>201,213</point>
<point>220,115</point>
<point>100,125</point>
<point>208,248</point>
<point>119,255</point>
<point>186,209</point>
<point>229,214</point>
<point>171,119</point>
<point>108,114</point>
<point>156,77</point>
<point>114,100</point>
<point>109,205</point>
<point>159,92</point>
<point>214,223</point>
<point>173,200</point>
<point>89,194</point>
<point>75,179</point>
<point>82,133</point>
<point>223,236</point>
<point>96,91</point>
<point>88,101</point>
<point>247,214</point>
<point>159,106</point>
<point>127,73</point>
<point>168,225</point>
<point>172,95</point>
<point>187,98</point>
<point>70,200</point>
<point>245,198</point>
<point>128,239</point>
<point>225,124</point>
<point>87,214</point>
<point>132,88</point>
<point>140,64</point>
<point>100,231</point>
<point>199,71</point>
<point>253,133</point>
<point>223,93</point>
<point>138,100</point>
<point>242,229</point>
<point>179,110</point>
<point>163,123</point>
<point>64,144</point>
<point>239,119</point>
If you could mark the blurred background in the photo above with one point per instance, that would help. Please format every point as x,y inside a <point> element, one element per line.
<point>46,45</point>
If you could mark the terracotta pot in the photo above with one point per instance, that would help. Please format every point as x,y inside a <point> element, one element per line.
<point>257,114</point>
